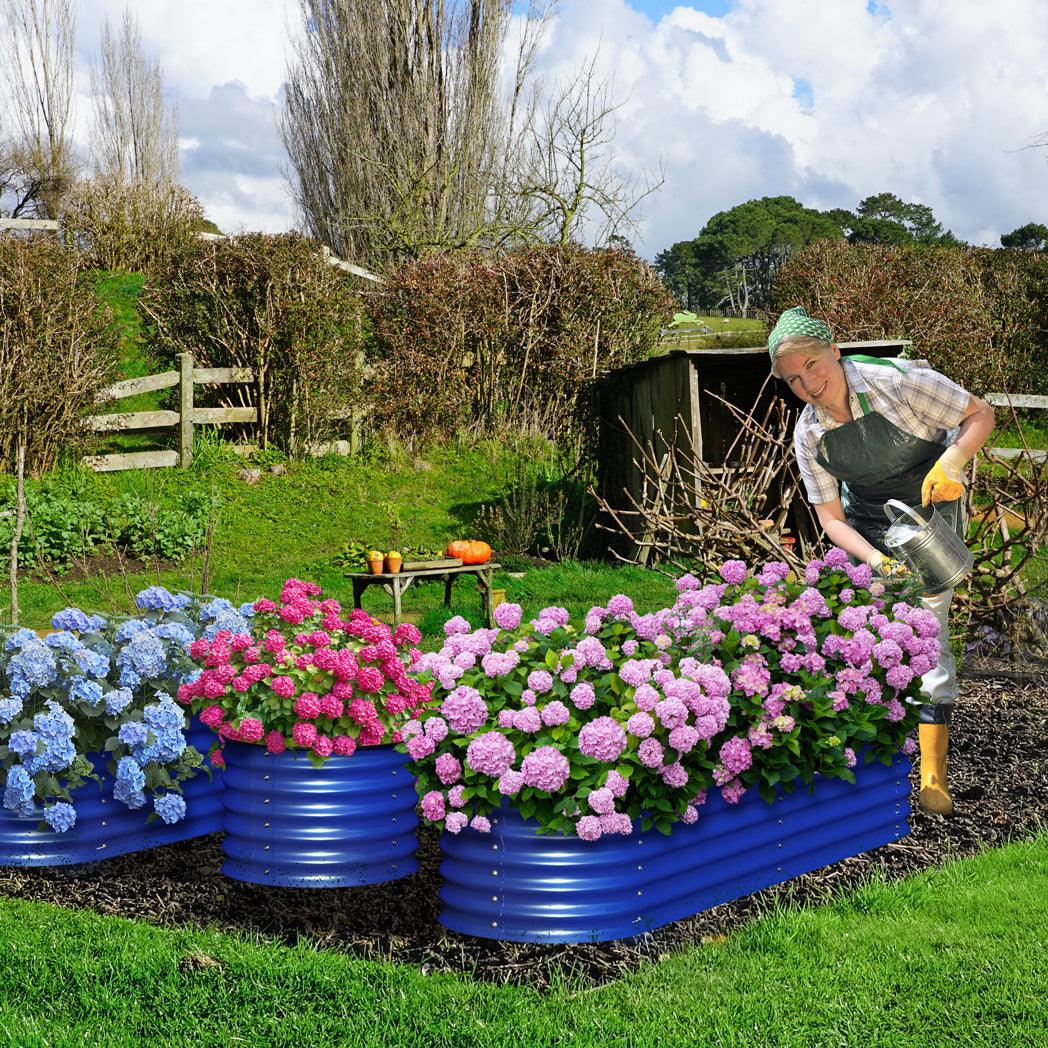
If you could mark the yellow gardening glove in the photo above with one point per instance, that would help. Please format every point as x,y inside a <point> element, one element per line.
<point>944,482</point>
<point>886,567</point>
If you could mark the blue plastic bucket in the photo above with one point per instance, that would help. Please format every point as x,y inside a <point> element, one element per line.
<point>516,884</point>
<point>349,822</point>
<point>106,828</point>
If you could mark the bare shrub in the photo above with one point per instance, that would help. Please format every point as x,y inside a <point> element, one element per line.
<point>273,304</point>
<point>57,351</point>
<point>135,225</point>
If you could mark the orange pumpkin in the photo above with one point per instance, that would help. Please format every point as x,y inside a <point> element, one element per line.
<point>470,551</point>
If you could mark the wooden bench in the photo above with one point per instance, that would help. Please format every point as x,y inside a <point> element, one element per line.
<point>395,583</point>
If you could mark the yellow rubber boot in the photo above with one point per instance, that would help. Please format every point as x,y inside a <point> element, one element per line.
<point>934,796</point>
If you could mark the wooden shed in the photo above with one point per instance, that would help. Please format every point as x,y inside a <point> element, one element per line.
<point>679,399</point>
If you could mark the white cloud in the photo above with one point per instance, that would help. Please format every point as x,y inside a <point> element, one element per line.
<point>931,101</point>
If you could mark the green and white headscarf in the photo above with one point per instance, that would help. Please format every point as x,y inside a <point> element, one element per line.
<point>796,321</point>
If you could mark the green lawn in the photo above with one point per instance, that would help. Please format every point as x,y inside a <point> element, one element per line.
<point>293,524</point>
<point>958,955</point>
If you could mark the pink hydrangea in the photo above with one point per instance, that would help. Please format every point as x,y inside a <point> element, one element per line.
<point>304,734</point>
<point>650,753</point>
<point>674,775</point>
<point>448,768</point>
<point>510,783</point>
<point>456,796</point>
<point>641,725</point>
<point>690,815</point>
<point>603,739</point>
<point>554,713</point>
<point>465,710</point>
<point>733,571</point>
<point>601,800</point>
<point>323,746</point>
<point>617,783</point>
<point>283,686</point>
<point>545,768</point>
<point>583,696</point>
<point>307,705</point>
<point>275,742</point>
<point>251,730</point>
<point>528,719</point>
<point>588,828</point>
<point>733,791</point>
<point>212,716</point>
<point>479,822</point>
<point>344,745</point>
<point>433,805</point>
<point>508,616</point>
<point>491,754</point>
<point>540,681</point>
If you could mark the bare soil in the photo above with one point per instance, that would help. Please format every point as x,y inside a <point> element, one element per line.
<point>999,779</point>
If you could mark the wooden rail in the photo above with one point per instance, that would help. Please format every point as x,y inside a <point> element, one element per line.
<point>188,415</point>
<point>1014,400</point>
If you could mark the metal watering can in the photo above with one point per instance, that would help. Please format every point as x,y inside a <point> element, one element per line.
<point>928,546</point>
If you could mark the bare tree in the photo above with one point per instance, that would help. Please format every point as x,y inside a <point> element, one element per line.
<point>397,127</point>
<point>39,37</point>
<point>135,131</point>
<point>572,177</point>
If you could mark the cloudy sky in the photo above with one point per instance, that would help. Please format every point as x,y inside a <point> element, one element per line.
<point>824,100</point>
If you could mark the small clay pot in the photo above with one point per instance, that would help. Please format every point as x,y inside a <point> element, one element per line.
<point>376,565</point>
<point>394,562</point>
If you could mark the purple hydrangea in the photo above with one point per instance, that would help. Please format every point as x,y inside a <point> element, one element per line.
<point>603,739</point>
<point>733,571</point>
<point>545,768</point>
<point>554,713</point>
<point>465,710</point>
<point>508,616</point>
<point>491,754</point>
<point>540,681</point>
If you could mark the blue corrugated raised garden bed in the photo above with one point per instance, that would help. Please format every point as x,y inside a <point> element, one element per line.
<point>516,884</point>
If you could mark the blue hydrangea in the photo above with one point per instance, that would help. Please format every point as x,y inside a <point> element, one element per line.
<point>133,733</point>
<point>56,729</point>
<point>228,620</point>
<point>156,598</point>
<point>9,709</point>
<point>31,667</point>
<point>63,641</point>
<point>61,817</point>
<point>214,608</point>
<point>86,691</point>
<point>117,700</point>
<point>246,610</point>
<point>128,678</point>
<point>93,663</point>
<point>130,783</point>
<point>143,655</point>
<point>20,792</point>
<point>175,631</point>
<point>24,743</point>
<point>19,638</point>
<point>126,630</point>
<point>170,807</point>
<point>76,620</point>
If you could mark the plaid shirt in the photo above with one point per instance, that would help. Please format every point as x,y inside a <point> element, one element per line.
<point>921,401</point>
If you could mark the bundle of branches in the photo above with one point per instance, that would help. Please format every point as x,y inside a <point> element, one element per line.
<point>694,516</point>
<point>1001,604</point>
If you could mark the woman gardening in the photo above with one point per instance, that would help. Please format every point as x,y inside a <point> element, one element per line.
<point>874,430</point>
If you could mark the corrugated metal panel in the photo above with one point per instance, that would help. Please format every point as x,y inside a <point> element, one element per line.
<point>349,822</point>
<point>517,885</point>
<point>105,828</point>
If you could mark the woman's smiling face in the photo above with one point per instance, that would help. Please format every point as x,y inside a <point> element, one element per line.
<point>817,378</point>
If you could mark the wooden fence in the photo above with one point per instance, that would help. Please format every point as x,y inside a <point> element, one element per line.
<point>1014,400</point>
<point>188,415</point>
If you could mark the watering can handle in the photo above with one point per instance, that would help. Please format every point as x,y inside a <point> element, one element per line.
<point>892,504</point>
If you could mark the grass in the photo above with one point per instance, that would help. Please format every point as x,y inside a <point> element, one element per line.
<point>293,524</point>
<point>724,331</point>
<point>954,955</point>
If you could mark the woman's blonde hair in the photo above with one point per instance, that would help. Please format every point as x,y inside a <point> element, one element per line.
<point>798,344</point>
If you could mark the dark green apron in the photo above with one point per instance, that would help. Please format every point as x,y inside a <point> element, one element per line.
<point>875,461</point>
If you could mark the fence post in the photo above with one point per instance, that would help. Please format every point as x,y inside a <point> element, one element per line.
<point>185,409</point>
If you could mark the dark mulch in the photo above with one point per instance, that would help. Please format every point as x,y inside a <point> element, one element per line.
<point>999,775</point>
